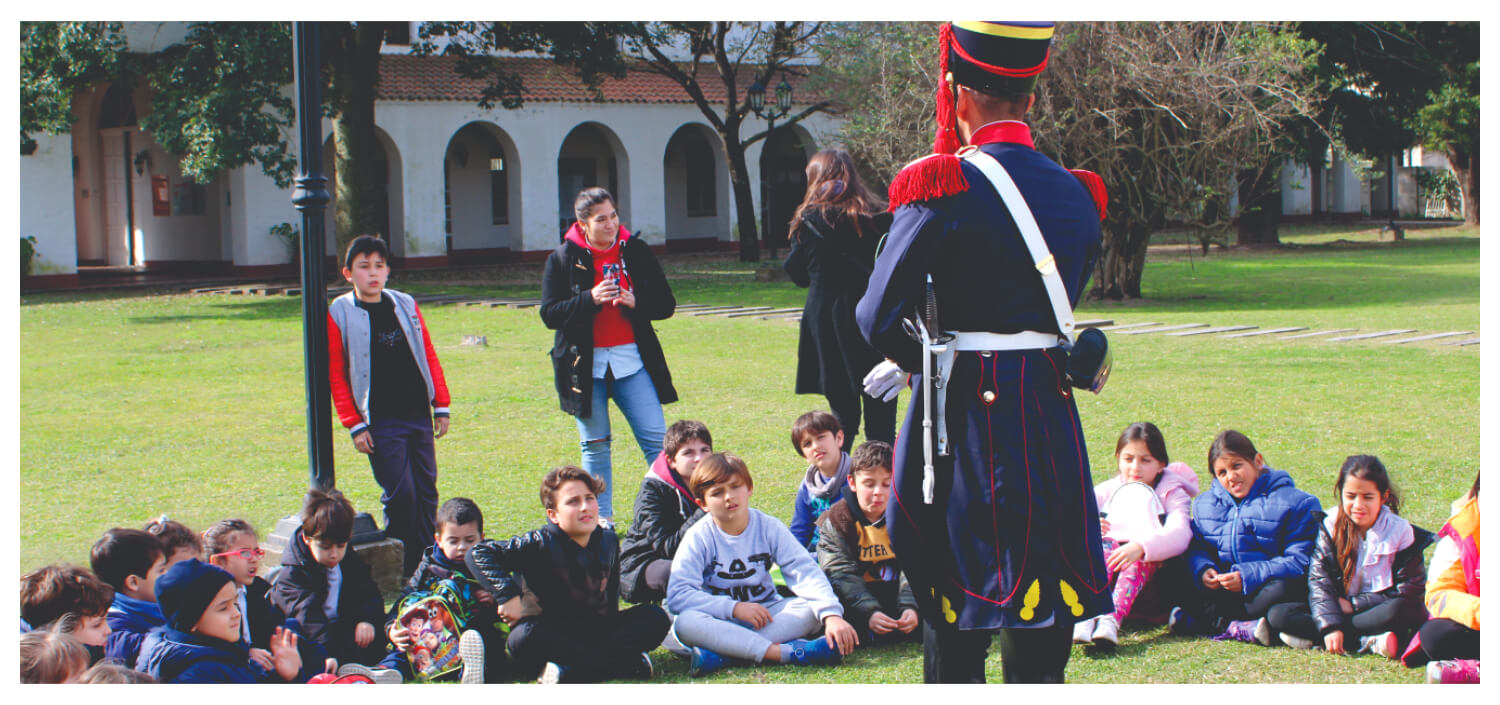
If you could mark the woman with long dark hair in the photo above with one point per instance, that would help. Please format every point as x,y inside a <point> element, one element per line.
<point>834,234</point>
<point>601,290</point>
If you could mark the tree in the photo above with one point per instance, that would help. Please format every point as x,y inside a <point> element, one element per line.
<point>57,59</point>
<point>735,51</point>
<point>1402,82</point>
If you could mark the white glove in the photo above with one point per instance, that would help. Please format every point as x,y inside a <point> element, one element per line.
<point>885,381</point>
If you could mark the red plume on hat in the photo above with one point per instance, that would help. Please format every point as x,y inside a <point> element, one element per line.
<point>947,141</point>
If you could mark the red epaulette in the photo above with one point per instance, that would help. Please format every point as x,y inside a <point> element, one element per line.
<point>932,176</point>
<point>1095,185</point>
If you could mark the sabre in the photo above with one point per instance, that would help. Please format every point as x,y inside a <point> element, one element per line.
<point>931,345</point>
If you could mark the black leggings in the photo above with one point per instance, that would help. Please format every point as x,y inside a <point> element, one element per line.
<point>1446,639</point>
<point>1026,655</point>
<point>1216,608</point>
<point>1397,614</point>
<point>597,648</point>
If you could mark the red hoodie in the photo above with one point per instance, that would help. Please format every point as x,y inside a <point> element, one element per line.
<point>610,326</point>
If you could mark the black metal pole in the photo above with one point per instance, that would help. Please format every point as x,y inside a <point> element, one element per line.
<point>768,182</point>
<point>311,198</point>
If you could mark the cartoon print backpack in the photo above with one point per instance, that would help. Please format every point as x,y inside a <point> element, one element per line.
<point>435,618</point>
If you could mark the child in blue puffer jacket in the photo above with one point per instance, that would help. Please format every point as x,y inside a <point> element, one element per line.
<point>201,640</point>
<point>1253,537</point>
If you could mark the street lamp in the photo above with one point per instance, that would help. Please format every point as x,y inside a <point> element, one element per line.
<point>757,100</point>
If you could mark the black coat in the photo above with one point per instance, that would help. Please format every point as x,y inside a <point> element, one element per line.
<point>569,308</point>
<point>1325,580</point>
<point>301,590</point>
<point>834,262</point>
<point>664,512</point>
<point>571,582</point>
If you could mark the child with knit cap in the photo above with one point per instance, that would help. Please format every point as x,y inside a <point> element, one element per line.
<point>201,641</point>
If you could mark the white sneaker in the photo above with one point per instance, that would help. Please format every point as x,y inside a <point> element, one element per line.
<point>471,652</point>
<point>1383,644</point>
<point>673,646</point>
<point>1083,632</point>
<point>382,676</point>
<point>1107,631</point>
<point>1263,634</point>
<point>1297,642</point>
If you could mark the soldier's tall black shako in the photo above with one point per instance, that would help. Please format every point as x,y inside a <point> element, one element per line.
<point>1007,538</point>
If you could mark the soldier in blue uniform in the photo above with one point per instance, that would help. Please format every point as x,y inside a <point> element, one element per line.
<point>1009,540</point>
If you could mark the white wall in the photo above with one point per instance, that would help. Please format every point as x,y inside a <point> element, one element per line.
<point>1346,193</point>
<point>176,237</point>
<point>47,205</point>
<point>1296,189</point>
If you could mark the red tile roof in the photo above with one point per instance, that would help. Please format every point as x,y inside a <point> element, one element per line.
<point>406,77</point>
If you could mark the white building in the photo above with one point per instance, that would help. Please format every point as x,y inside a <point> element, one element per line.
<point>463,184</point>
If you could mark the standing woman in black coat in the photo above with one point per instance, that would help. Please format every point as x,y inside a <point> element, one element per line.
<point>834,234</point>
<point>601,290</point>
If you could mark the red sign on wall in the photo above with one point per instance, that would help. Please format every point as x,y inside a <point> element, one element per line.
<point>161,195</point>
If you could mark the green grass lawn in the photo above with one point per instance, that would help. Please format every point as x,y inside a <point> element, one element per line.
<point>133,405</point>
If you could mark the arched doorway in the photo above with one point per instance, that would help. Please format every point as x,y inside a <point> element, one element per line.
<point>481,194</point>
<point>388,206</point>
<point>591,155</point>
<point>114,241</point>
<point>783,165</point>
<point>696,186</point>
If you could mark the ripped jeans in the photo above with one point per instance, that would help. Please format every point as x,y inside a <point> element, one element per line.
<point>635,396</point>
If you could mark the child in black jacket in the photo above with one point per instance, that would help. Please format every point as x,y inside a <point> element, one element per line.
<point>573,567</point>
<point>664,511</point>
<point>327,588</point>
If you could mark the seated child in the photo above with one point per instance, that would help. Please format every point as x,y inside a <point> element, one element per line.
<point>1366,579</point>
<point>855,552</point>
<point>816,436</point>
<point>573,567</point>
<point>1253,535</point>
<point>233,545</point>
<point>460,525</point>
<point>327,588</point>
<point>1449,641</point>
<point>202,641</point>
<point>130,560</point>
<point>664,510</point>
<point>178,543</point>
<point>1134,554</point>
<point>74,595</point>
<point>111,673</point>
<point>51,656</point>
<point>721,589</point>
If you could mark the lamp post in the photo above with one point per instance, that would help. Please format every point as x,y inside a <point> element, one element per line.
<point>311,198</point>
<point>757,99</point>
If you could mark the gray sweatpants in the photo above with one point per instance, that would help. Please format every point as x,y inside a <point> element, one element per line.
<point>791,618</point>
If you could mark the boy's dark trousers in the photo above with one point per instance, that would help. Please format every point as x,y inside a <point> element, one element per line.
<point>1026,655</point>
<point>1397,614</point>
<point>1215,609</point>
<point>593,648</point>
<point>494,656</point>
<point>406,468</point>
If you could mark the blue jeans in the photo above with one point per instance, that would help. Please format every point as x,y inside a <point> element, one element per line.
<point>636,398</point>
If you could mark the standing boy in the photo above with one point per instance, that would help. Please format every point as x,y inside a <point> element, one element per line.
<point>721,588</point>
<point>855,552</point>
<point>389,390</point>
<point>130,560</point>
<point>573,566</point>
<point>664,511</point>
<point>817,436</point>
<point>327,588</point>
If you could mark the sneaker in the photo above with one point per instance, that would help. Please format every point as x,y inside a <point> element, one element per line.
<point>471,652</point>
<point>1107,632</point>
<point>673,645</point>
<point>384,676</point>
<point>552,673</point>
<point>1263,635</point>
<point>704,662</point>
<point>818,651</point>
<point>1297,642</point>
<point>1384,644</point>
<point>1083,632</point>
<point>1456,671</point>
<point>1182,623</point>
<point>1242,630</point>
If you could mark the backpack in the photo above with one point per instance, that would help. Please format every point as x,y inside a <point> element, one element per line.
<point>436,617</point>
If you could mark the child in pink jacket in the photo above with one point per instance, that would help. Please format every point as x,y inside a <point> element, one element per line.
<point>1147,529</point>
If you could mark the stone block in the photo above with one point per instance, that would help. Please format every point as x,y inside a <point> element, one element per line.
<point>385,556</point>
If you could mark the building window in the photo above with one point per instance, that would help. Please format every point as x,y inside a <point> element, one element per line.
<point>499,190</point>
<point>397,33</point>
<point>702,188</point>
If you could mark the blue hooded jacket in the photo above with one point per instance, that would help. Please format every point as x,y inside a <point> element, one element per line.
<point>1267,535</point>
<point>172,656</point>
<point>129,621</point>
